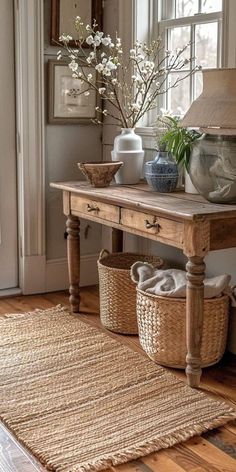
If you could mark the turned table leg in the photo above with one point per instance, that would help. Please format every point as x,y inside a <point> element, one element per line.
<point>194,318</point>
<point>73,255</point>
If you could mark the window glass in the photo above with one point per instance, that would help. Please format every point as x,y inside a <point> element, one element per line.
<point>206,44</point>
<point>197,84</point>
<point>186,8</point>
<point>178,38</point>
<point>178,100</point>
<point>209,6</point>
<point>189,22</point>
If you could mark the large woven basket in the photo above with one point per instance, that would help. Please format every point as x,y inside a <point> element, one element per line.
<point>162,329</point>
<point>118,292</point>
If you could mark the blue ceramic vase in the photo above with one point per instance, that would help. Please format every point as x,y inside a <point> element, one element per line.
<point>162,173</point>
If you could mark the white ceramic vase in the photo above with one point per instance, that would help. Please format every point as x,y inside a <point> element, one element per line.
<point>128,149</point>
<point>189,187</point>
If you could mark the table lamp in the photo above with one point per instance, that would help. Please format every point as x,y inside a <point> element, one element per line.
<point>212,166</point>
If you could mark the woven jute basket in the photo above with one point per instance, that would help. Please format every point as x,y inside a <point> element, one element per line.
<point>118,292</point>
<point>162,329</point>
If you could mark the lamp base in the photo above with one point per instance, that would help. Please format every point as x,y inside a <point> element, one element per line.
<point>212,167</point>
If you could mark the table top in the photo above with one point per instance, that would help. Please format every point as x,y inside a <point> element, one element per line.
<point>178,205</point>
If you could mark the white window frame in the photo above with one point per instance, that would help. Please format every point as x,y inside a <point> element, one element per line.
<point>165,25</point>
<point>142,30</point>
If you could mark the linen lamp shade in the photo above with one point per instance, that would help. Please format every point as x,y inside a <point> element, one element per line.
<point>214,111</point>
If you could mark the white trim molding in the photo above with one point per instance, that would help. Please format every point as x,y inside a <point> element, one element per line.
<point>148,136</point>
<point>30,141</point>
<point>57,273</point>
<point>229,34</point>
<point>54,273</point>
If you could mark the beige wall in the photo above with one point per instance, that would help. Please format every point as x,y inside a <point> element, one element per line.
<point>65,145</point>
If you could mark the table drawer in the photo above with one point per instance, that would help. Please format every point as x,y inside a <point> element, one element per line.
<point>155,225</point>
<point>96,209</point>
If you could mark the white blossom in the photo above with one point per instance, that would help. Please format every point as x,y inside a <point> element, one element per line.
<point>91,57</point>
<point>106,66</point>
<point>65,38</point>
<point>106,41</point>
<point>135,107</point>
<point>138,95</point>
<point>73,66</point>
<point>110,65</point>
<point>149,65</point>
<point>89,40</point>
<point>118,43</point>
<point>99,67</point>
<point>97,40</point>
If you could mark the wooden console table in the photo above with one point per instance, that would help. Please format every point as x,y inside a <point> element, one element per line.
<point>185,221</point>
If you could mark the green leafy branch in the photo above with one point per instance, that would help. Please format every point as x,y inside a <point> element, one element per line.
<point>177,140</point>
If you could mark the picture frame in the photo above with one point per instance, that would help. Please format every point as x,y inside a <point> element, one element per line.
<point>66,103</point>
<point>64,12</point>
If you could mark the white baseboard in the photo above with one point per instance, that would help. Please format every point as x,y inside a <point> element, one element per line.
<point>57,273</point>
<point>41,275</point>
<point>9,292</point>
<point>32,274</point>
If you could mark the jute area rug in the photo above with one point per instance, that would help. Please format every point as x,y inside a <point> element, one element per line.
<point>81,401</point>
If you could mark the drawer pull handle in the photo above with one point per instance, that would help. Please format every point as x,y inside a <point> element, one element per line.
<point>152,225</point>
<point>92,208</point>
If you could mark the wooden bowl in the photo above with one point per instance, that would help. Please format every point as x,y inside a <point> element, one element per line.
<point>100,174</point>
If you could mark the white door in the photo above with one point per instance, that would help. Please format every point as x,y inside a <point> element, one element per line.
<point>8,198</point>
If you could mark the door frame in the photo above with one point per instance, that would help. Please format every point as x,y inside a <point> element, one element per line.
<point>30,130</point>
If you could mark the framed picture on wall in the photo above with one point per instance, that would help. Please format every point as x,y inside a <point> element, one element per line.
<point>69,101</point>
<point>64,12</point>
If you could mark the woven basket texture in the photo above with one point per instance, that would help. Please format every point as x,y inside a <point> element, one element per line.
<point>118,292</point>
<point>162,329</point>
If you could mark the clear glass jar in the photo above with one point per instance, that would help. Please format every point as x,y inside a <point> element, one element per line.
<point>212,167</point>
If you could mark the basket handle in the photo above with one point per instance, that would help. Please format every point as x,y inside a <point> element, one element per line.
<point>103,253</point>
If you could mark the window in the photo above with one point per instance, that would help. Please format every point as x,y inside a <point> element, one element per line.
<point>198,22</point>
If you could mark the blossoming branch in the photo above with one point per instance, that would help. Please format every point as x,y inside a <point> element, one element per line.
<point>129,87</point>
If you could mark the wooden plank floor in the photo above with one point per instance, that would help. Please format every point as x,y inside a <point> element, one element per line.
<point>214,451</point>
